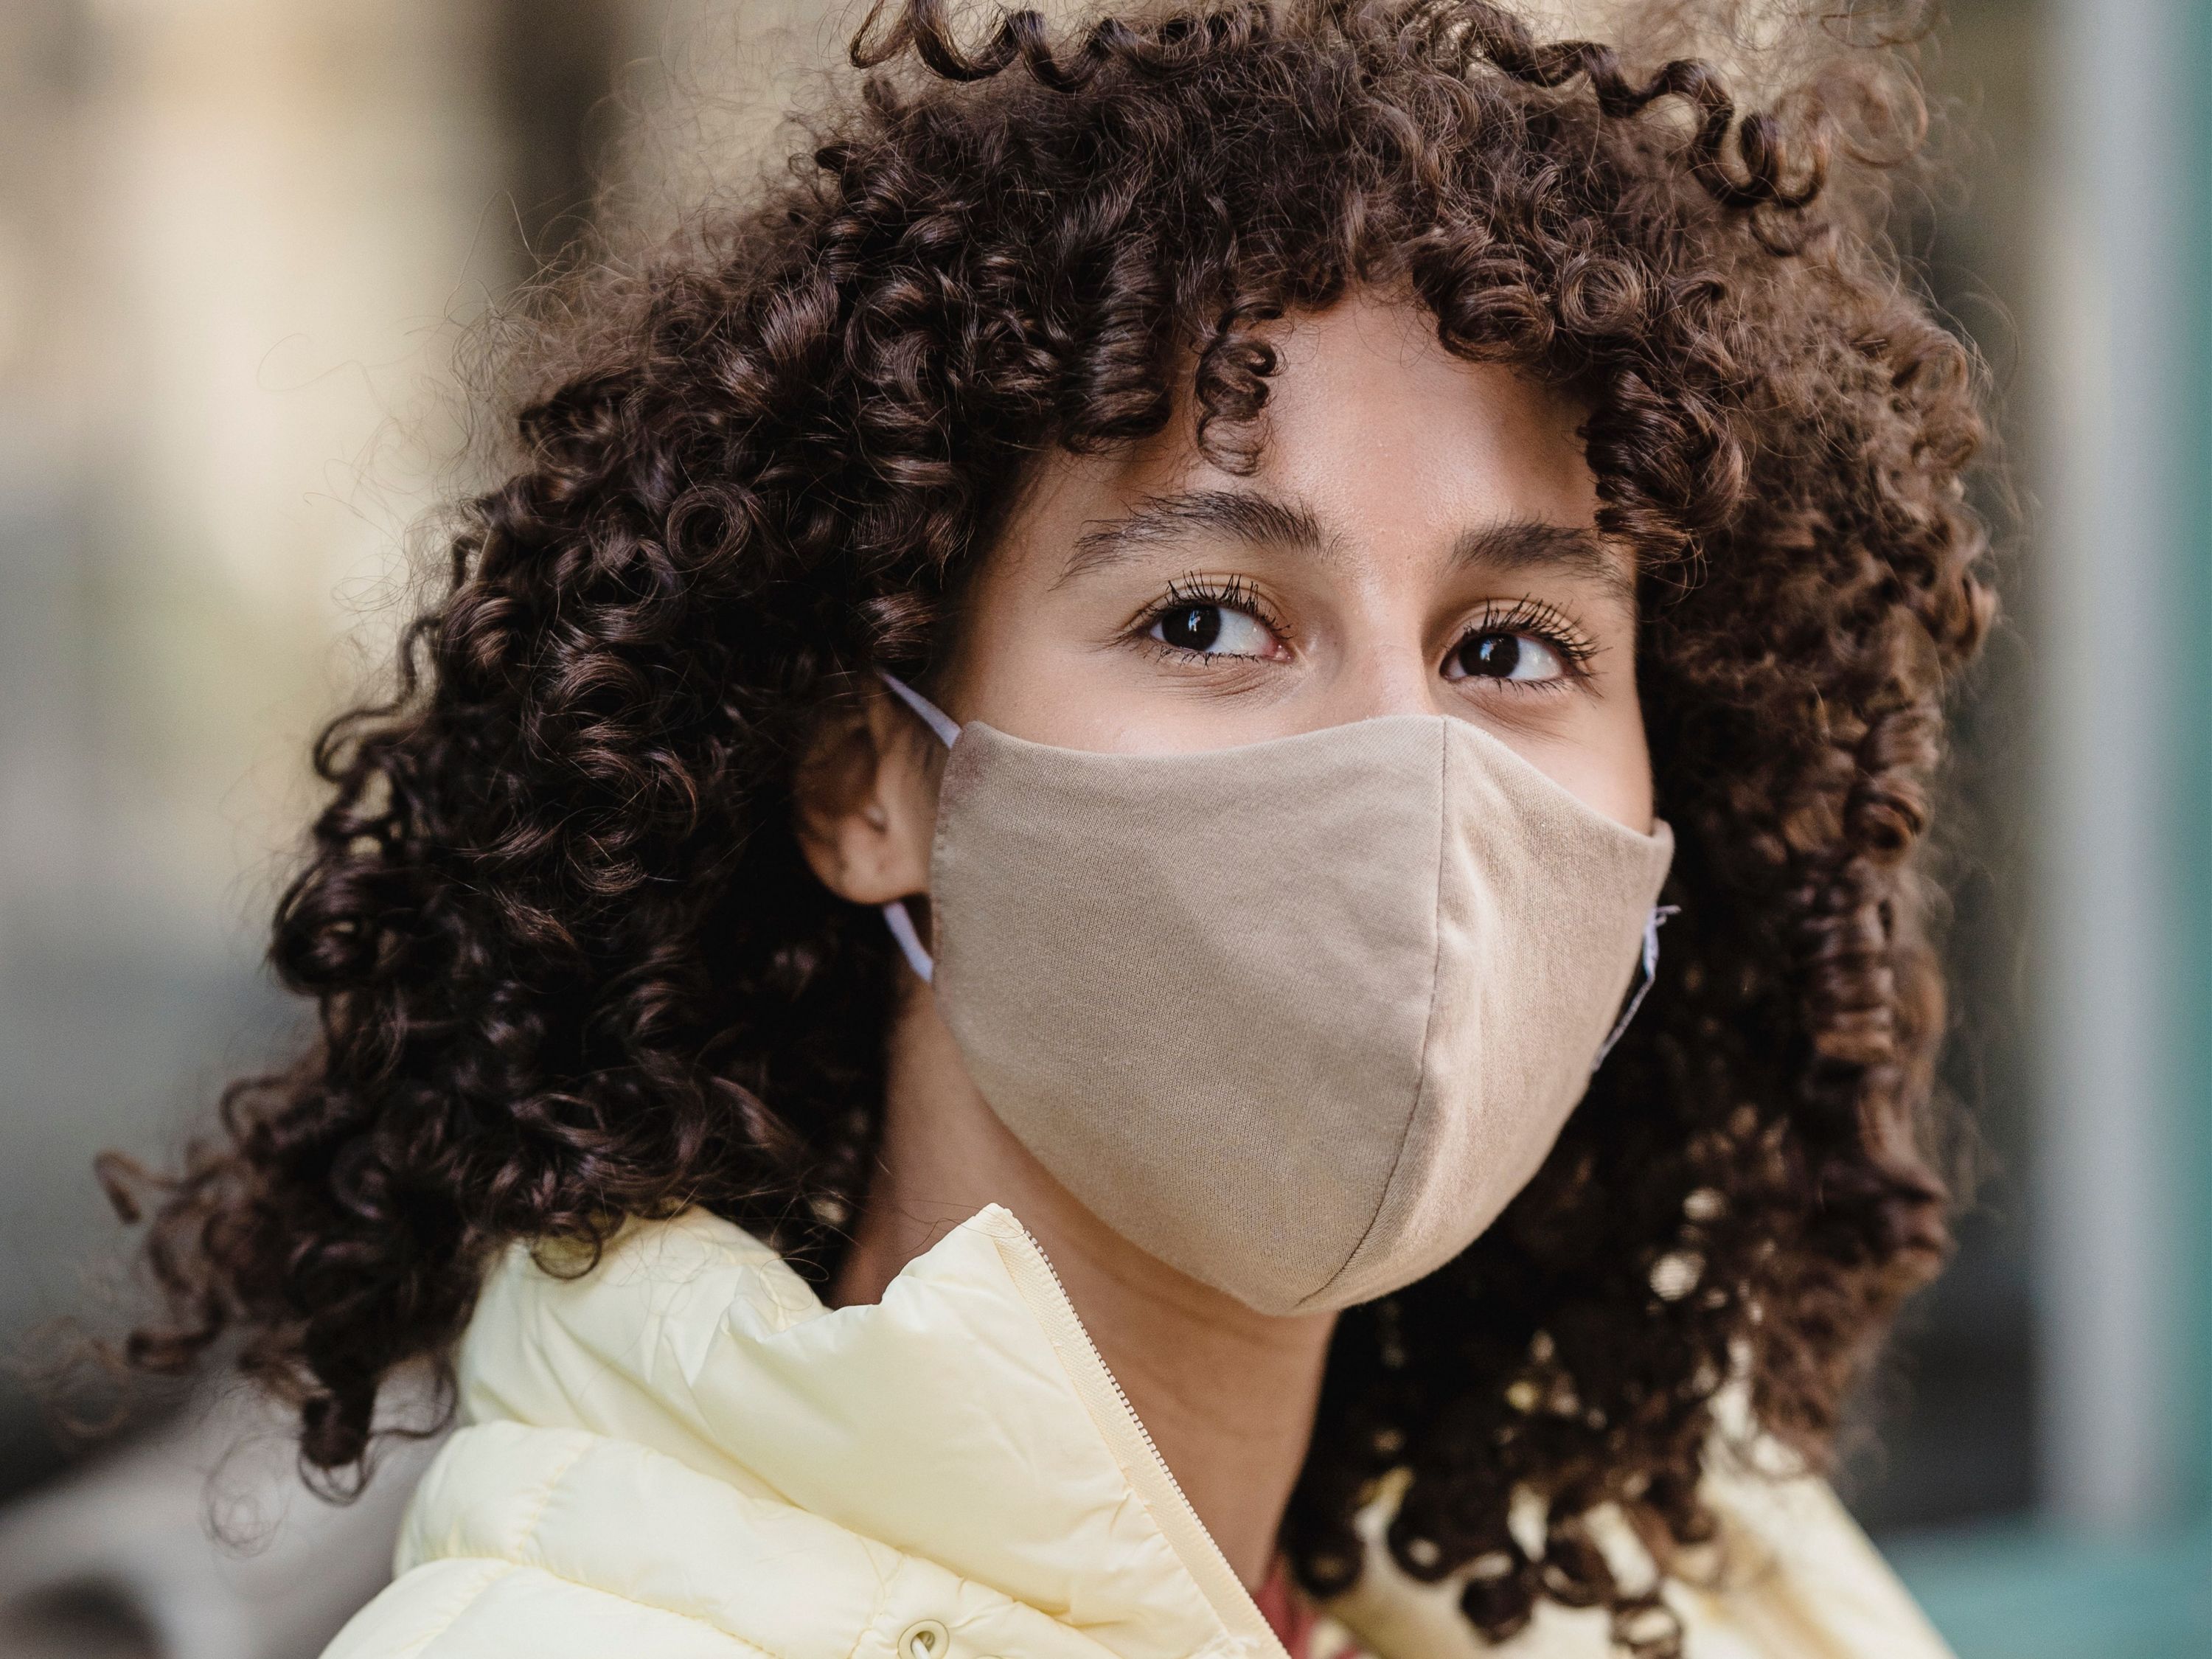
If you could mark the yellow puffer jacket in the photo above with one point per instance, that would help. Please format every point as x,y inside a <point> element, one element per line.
<point>682,1454</point>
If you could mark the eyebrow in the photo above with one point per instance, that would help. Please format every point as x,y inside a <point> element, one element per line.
<point>1513,545</point>
<point>1165,521</point>
<point>1534,544</point>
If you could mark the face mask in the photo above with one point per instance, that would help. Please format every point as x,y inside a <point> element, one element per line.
<point>1299,1018</point>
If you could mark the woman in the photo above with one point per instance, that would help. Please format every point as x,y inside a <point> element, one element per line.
<point>998,971</point>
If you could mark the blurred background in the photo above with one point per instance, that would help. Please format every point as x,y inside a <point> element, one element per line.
<point>241,243</point>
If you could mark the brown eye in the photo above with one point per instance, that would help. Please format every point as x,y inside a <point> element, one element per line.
<point>1191,627</point>
<point>1207,628</point>
<point>1498,656</point>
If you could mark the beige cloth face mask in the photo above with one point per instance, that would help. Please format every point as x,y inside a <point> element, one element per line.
<point>1298,1018</point>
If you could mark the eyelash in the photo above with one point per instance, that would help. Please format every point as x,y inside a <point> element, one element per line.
<point>1542,622</point>
<point>1529,615</point>
<point>1230,594</point>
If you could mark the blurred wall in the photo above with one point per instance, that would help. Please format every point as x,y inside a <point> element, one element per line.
<point>1946,1427</point>
<point>233,236</point>
<point>240,242</point>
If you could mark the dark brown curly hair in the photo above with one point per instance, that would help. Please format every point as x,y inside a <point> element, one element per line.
<point>570,966</point>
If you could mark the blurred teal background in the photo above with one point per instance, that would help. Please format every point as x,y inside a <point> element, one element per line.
<point>2112,418</point>
<point>241,245</point>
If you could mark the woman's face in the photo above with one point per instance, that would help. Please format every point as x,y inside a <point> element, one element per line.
<point>1418,539</point>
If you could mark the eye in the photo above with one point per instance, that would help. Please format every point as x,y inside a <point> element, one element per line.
<point>1212,630</point>
<point>1501,656</point>
<point>1203,622</point>
<point>1529,642</point>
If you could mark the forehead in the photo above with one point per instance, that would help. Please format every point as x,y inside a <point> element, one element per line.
<point>1368,408</point>
<point>1384,441</point>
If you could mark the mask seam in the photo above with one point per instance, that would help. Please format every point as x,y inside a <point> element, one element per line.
<point>1428,1024</point>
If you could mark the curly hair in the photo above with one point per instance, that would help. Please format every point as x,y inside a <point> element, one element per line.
<point>570,967</point>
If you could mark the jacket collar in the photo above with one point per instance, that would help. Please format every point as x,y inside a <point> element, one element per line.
<point>965,1424</point>
<point>966,1418</point>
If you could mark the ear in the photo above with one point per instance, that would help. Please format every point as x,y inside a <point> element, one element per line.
<point>864,802</point>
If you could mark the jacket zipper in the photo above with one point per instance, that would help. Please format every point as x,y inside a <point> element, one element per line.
<point>1103,1393</point>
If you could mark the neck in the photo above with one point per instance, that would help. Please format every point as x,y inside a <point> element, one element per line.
<point>1227,1395</point>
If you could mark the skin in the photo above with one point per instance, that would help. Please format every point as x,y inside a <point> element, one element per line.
<point>1418,539</point>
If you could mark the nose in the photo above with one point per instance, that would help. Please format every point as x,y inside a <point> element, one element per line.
<point>1383,669</point>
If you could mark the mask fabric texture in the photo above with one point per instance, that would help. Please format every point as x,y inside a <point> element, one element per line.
<point>1300,1018</point>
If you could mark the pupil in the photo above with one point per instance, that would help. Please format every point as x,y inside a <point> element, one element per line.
<point>1495,655</point>
<point>1194,627</point>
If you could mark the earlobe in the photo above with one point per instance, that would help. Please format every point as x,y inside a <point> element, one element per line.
<point>864,805</point>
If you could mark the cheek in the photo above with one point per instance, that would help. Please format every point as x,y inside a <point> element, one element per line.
<point>1002,660</point>
<point>1025,669</point>
<point>1606,765</point>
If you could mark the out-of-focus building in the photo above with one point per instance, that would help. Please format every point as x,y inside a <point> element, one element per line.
<point>241,242</point>
<point>235,238</point>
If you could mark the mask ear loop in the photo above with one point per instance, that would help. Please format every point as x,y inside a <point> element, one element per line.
<point>1648,965</point>
<point>935,718</point>
<point>896,916</point>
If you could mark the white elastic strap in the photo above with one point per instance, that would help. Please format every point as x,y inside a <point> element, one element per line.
<point>931,716</point>
<point>909,942</point>
<point>896,915</point>
<point>1649,966</point>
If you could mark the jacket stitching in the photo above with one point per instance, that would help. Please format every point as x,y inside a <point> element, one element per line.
<point>875,1613</point>
<point>418,1645</point>
<point>528,1541</point>
<point>529,1533</point>
<point>508,1567</point>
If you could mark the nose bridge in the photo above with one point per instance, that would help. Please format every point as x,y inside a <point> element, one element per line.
<point>1385,669</point>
